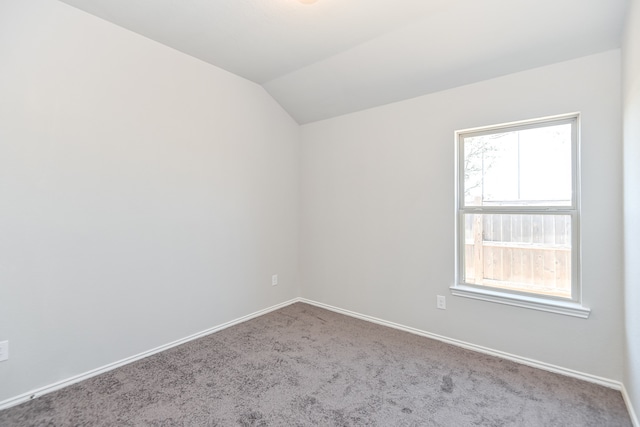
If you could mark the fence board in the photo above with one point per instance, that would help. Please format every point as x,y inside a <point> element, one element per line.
<point>537,232</point>
<point>496,228</point>
<point>527,229</point>
<point>506,228</point>
<point>549,269</point>
<point>528,252</point>
<point>548,229</point>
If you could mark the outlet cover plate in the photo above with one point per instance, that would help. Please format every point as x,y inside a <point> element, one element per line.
<point>441,302</point>
<point>4,350</point>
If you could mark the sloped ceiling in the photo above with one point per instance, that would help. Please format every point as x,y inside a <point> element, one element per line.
<point>333,57</point>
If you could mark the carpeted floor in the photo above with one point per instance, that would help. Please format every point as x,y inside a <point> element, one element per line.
<point>305,366</point>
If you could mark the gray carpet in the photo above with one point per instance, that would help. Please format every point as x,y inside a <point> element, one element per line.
<point>305,366</point>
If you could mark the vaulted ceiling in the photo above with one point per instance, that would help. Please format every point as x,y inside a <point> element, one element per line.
<point>332,57</point>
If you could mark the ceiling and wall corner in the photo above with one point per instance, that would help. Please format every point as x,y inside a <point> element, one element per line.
<point>334,57</point>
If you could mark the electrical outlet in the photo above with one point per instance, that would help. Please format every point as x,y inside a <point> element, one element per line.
<point>274,280</point>
<point>442,303</point>
<point>4,350</point>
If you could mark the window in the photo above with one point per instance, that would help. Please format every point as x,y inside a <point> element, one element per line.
<point>518,215</point>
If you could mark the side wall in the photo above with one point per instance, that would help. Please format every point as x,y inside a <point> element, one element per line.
<point>144,195</point>
<point>377,217</point>
<point>631,90</point>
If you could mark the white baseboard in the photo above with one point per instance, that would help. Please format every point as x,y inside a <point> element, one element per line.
<point>627,401</point>
<point>616,385</point>
<point>106,368</point>
<point>523,360</point>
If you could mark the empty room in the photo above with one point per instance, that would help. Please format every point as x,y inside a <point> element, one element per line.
<point>320,212</point>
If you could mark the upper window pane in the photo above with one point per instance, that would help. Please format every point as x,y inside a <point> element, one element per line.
<point>529,167</point>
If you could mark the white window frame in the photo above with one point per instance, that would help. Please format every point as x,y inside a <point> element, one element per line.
<point>567,306</point>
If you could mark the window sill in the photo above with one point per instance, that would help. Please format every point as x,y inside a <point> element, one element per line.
<point>566,308</point>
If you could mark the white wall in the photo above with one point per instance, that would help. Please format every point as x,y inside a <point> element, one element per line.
<point>144,195</point>
<point>631,90</point>
<point>377,217</point>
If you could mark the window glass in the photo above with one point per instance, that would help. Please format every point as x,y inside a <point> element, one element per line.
<point>526,253</point>
<point>530,167</point>
<point>517,211</point>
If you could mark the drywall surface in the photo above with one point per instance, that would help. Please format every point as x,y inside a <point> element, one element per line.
<point>631,91</point>
<point>144,195</point>
<point>377,213</point>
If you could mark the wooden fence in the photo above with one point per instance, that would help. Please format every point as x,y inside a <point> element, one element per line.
<point>521,252</point>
